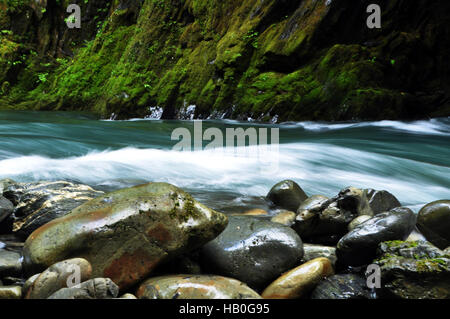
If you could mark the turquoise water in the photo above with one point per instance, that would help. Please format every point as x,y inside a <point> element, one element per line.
<point>409,159</point>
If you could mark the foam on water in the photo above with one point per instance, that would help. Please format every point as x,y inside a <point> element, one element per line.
<point>411,160</point>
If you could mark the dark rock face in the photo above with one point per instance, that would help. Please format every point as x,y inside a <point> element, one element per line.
<point>342,286</point>
<point>434,223</point>
<point>358,247</point>
<point>321,60</point>
<point>187,287</point>
<point>253,251</point>
<point>126,234</point>
<point>98,288</point>
<point>39,203</point>
<point>381,201</point>
<point>413,270</point>
<point>326,221</point>
<point>287,194</point>
<point>6,208</point>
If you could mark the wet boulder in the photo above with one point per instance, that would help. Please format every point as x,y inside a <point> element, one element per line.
<point>284,217</point>
<point>434,223</point>
<point>39,203</point>
<point>342,286</point>
<point>6,208</point>
<point>358,221</point>
<point>413,270</point>
<point>58,276</point>
<point>326,221</point>
<point>195,287</point>
<point>126,234</point>
<point>287,194</point>
<point>10,292</point>
<point>298,282</point>
<point>98,288</point>
<point>253,250</point>
<point>358,247</point>
<point>381,201</point>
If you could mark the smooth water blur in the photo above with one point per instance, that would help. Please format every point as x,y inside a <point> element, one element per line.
<point>411,160</point>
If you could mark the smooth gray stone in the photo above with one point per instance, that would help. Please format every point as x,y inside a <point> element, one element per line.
<point>253,250</point>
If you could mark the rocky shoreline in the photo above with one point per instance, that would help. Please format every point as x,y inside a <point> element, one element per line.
<point>63,240</point>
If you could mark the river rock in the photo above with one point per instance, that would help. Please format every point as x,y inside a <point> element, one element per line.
<point>98,288</point>
<point>312,251</point>
<point>10,263</point>
<point>326,221</point>
<point>185,264</point>
<point>38,203</point>
<point>286,218</point>
<point>299,281</point>
<point>253,212</point>
<point>10,292</point>
<point>342,286</point>
<point>59,276</point>
<point>195,287</point>
<point>358,221</point>
<point>416,236</point>
<point>128,296</point>
<point>6,208</point>
<point>359,246</point>
<point>434,223</point>
<point>314,201</point>
<point>127,233</point>
<point>253,250</point>
<point>381,201</point>
<point>287,194</point>
<point>5,183</point>
<point>413,270</point>
<point>28,283</point>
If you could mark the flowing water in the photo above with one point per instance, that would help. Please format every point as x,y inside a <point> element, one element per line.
<point>409,159</point>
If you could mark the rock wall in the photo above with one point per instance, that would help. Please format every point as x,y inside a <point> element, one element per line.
<point>264,59</point>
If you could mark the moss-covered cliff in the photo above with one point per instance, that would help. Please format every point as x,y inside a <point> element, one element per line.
<point>265,59</point>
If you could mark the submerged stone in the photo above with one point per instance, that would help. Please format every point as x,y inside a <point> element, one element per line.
<point>287,194</point>
<point>434,223</point>
<point>195,287</point>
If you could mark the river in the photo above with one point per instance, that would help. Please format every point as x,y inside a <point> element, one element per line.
<point>409,159</point>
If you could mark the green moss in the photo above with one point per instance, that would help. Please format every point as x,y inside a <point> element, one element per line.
<point>218,55</point>
<point>397,243</point>
<point>431,265</point>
